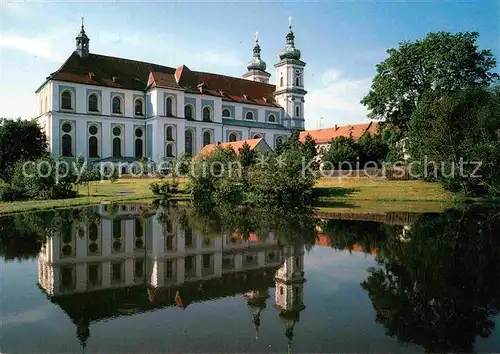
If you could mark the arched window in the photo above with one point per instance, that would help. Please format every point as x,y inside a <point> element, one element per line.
<point>249,115</point>
<point>138,107</point>
<point>169,134</point>
<point>207,138</point>
<point>169,150</point>
<point>93,147</point>
<point>207,114</point>
<point>233,137</point>
<point>117,105</point>
<point>66,101</point>
<point>93,103</point>
<point>281,81</point>
<point>188,111</point>
<point>67,148</point>
<point>257,136</point>
<point>138,148</point>
<point>117,147</point>
<point>271,118</point>
<point>188,138</point>
<point>297,81</point>
<point>226,113</point>
<point>168,107</point>
<point>297,111</point>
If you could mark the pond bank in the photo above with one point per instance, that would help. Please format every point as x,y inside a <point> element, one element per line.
<point>362,194</point>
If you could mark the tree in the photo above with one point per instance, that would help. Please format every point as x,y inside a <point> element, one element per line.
<point>461,129</point>
<point>290,143</point>
<point>341,152</point>
<point>20,140</point>
<point>309,146</point>
<point>247,156</point>
<point>442,62</point>
<point>372,148</point>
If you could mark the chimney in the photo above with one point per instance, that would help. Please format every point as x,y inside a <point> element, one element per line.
<point>336,127</point>
<point>218,143</point>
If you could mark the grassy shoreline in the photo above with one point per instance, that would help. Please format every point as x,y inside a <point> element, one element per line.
<point>362,194</point>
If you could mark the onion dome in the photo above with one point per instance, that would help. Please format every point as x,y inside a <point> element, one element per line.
<point>256,63</point>
<point>82,36</point>
<point>290,52</point>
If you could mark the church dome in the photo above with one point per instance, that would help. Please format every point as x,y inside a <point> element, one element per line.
<point>290,52</point>
<point>256,63</point>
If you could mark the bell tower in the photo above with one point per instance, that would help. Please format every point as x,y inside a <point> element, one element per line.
<point>257,67</point>
<point>82,43</point>
<point>289,298</point>
<point>290,90</point>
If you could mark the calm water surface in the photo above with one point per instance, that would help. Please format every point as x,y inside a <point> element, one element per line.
<point>123,279</point>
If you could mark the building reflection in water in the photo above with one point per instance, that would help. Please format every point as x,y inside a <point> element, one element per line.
<point>128,262</point>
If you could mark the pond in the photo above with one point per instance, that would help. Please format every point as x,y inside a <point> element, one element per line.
<point>137,278</point>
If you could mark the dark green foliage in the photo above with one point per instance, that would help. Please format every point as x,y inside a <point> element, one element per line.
<point>372,148</point>
<point>435,287</point>
<point>442,62</point>
<point>464,127</point>
<point>183,165</point>
<point>341,152</point>
<point>19,140</point>
<point>224,179</point>
<point>309,146</point>
<point>165,188</point>
<point>247,156</point>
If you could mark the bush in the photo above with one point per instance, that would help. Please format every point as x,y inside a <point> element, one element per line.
<point>164,188</point>
<point>11,193</point>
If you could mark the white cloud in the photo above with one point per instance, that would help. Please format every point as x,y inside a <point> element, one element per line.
<point>38,46</point>
<point>337,100</point>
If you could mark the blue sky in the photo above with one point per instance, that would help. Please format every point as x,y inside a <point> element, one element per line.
<point>341,41</point>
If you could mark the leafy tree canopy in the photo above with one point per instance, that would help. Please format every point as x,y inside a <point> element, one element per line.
<point>441,62</point>
<point>463,126</point>
<point>19,140</point>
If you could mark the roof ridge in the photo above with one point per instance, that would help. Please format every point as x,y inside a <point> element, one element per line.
<point>233,77</point>
<point>134,60</point>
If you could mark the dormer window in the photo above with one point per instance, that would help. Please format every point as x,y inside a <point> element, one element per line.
<point>117,105</point>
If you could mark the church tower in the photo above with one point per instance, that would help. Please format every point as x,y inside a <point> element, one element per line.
<point>257,67</point>
<point>290,82</point>
<point>289,298</point>
<point>82,43</point>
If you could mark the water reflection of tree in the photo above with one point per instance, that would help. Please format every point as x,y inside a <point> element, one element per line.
<point>297,227</point>
<point>370,235</point>
<point>438,288</point>
<point>22,235</point>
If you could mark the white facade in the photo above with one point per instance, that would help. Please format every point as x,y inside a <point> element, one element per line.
<point>104,122</point>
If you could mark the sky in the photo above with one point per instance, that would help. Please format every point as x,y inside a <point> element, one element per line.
<point>341,41</point>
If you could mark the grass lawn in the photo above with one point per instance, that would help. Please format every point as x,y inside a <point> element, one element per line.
<point>127,189</point>
<point>347,193</point>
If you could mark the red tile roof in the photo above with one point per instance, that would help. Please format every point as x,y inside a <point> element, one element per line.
<point>326,135</point>
<point>236,145</point>
<point>129,74</point>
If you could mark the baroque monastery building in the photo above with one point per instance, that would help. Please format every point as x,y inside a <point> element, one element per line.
<point>115,109</point>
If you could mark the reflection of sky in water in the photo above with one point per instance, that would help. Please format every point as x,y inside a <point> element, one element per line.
<point>338,318</point>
